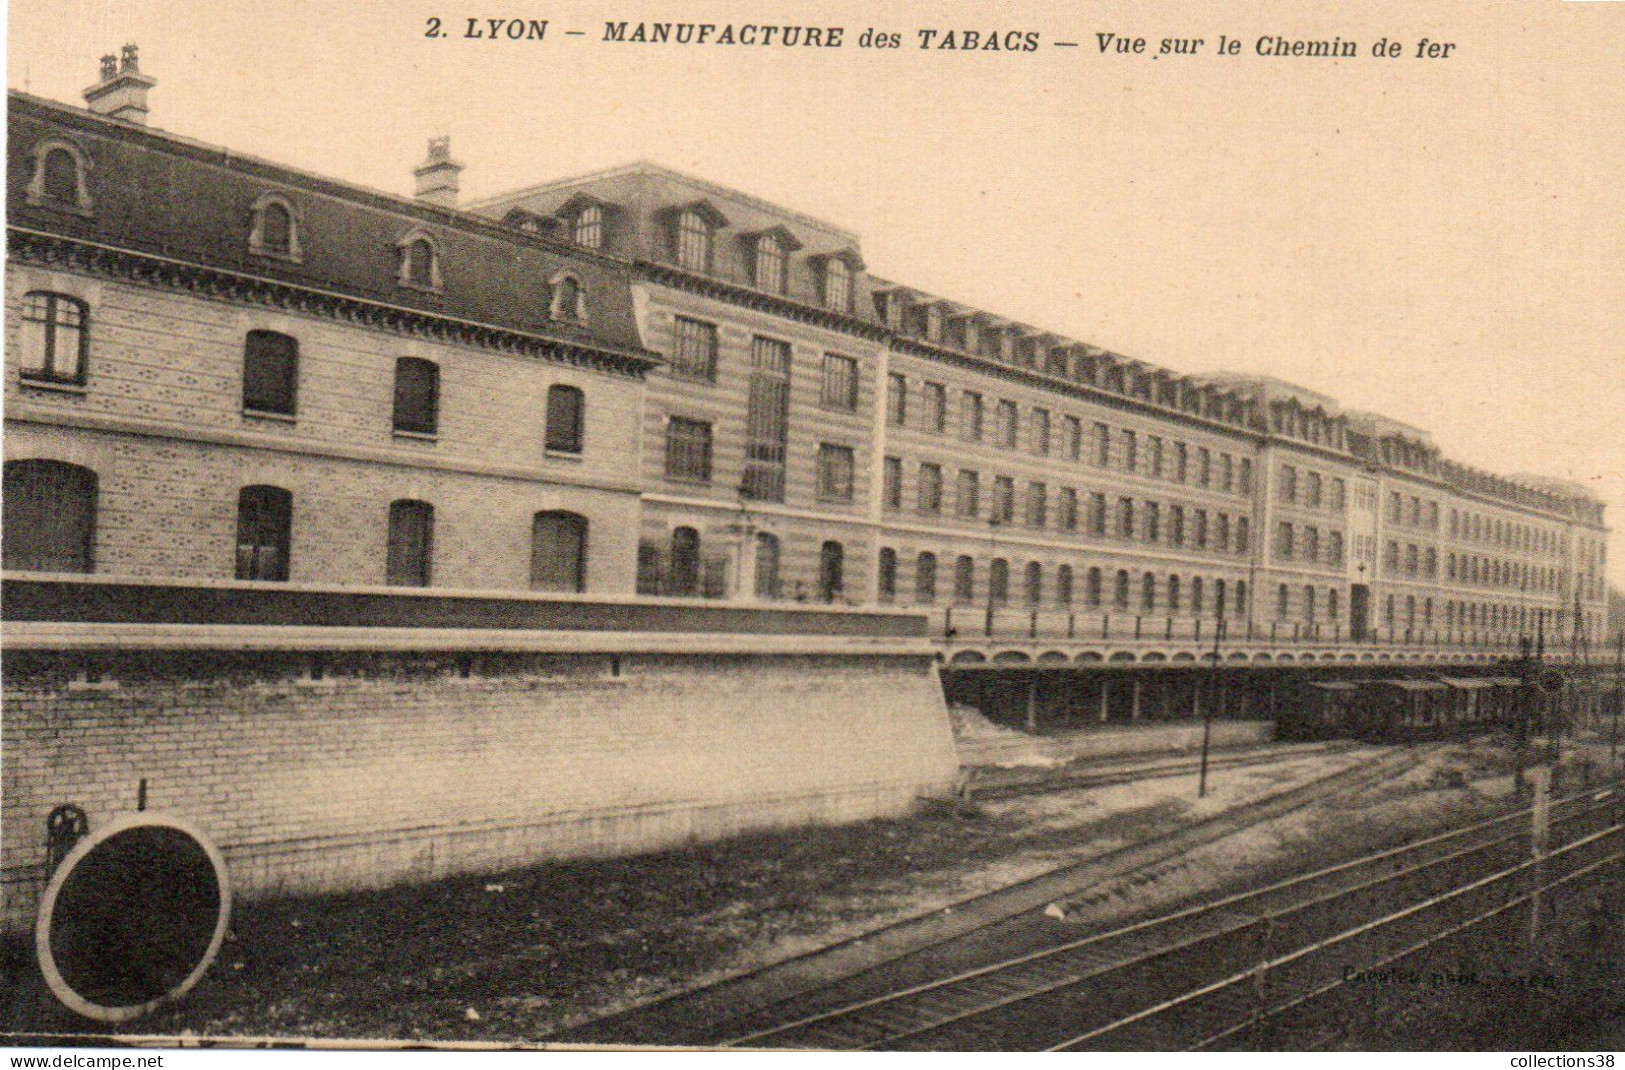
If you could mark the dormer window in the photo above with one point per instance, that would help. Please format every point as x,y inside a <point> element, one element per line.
<point>420,262</point>
<point>771,262</point>
<point>587,228</point>
<point>60,178</point>
<point>838,288</point>
<point>568,301</point>
<point>933,321</point>
<point>694,238</point>
<point>275,228</point>
<point>896,304</point>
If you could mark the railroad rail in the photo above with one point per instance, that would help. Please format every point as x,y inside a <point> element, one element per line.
<point>1079,776</point>
<point>1202,976</point>
<point>733,1007</point>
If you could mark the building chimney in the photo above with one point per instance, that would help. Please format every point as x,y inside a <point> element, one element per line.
<point>122,92</point>
<point>437,176</point>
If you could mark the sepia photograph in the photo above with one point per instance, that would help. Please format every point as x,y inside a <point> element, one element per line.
<point>945,527</point>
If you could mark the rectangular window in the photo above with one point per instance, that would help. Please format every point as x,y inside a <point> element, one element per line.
<point>1068,509</point>
<point>1176,525</point>
<point>1037,505</point>
<point>270,373</point>
<point>1201,529</point>
<point>1004,499</point>
<point>1289,483</point>
<point>1097,513</point>
<point>1227,472</point>
<point>688,450</point>
<point>969,493</point>
<point>1283,541</point>
<point>891,484</point>
<point>1072,428</point>
<point>1154,447</point>
<point>840,389</point>
<point>1311,544</point>
<point>417,396</point>
<point>566,419</point>
<point>970,416</point>
<point>767,420</point>
<point>935,398</point>
<point>1182,456</point>
<point>1040,432</point>
<point>264,526</point>
<point>694,349</point>
<point>411,539</point>
<point>896,400</point>
<point>1125,518</point>
<point>1153,521</point>
<point>1204,466</point>
<point>1004,425</point>
<point>835,473</point>
<point>929,497</point>
<point>53,340</point>
<point>1314,495</point>
<point>1246,480</point>
<point>1131,451</point>
<point>1221,531</point>
<point>1339,493</point>
<point>1103,445</point>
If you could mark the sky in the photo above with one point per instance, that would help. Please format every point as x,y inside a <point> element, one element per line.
<point>1441,240</point>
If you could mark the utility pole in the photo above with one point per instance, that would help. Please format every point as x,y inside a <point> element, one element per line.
<point>1619,695</point>
<point>1207,714</point>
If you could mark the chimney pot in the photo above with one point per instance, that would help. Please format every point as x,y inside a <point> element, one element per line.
<point>122,91</point>
<point>437,177</point>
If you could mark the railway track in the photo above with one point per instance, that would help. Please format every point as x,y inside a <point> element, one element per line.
<point>1204,975</point>
<point>1082,776</point>
<point>740,1006</point>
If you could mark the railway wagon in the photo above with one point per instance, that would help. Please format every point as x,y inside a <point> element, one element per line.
<point>1398,708</point>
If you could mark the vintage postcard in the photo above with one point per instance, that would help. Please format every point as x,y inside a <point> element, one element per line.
<point>935,526</point>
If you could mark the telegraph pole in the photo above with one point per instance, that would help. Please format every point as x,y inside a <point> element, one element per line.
<point>1619,695</point>
<point>1207,714</point>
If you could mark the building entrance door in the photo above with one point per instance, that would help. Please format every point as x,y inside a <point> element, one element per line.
<point>1359,611</point>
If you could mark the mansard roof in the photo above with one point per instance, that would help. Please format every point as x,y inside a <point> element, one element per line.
<point>185,201</point>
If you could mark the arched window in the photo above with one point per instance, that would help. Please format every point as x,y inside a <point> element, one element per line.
<point>49,517</point>
<point>925,579</point>
<point>770,263</point>
<point>568,301</point>
<point>1121,599</point>
<point>270,373</point>
<point>1196,596</point>
<point>417,396</point>
<point>264,529</point>
<point>1148,592</point>
<point>55,338</point>
<point>566,413</point>
<point>964,579</point>
<point>1035,583</point>
<point>274,228</point>
<point>420,262</point>
<point>1063,586</point>
<point>998,582</point>
<point>684,578</point>
<point>60,179</point>
<point>1091,588</point>
<point>693,240</point>
<point>558,552</point>
<point>838,285</point>
<point>831,571</point>
<point>411,543</point>
<point>1173,594</point>
<point>886,575</point>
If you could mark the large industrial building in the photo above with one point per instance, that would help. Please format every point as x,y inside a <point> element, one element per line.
<point>647,400</point>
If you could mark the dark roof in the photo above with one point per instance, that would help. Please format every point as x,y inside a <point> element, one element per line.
<point>160,194</point>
